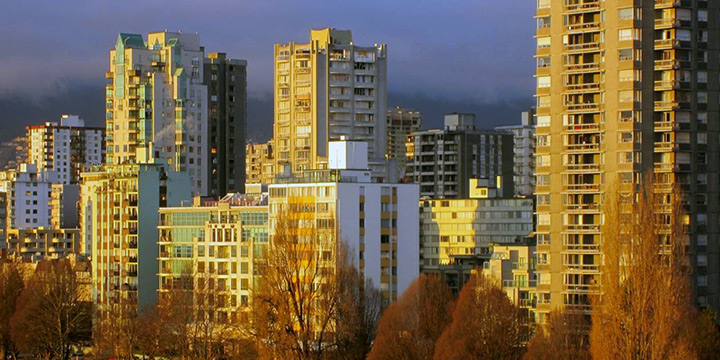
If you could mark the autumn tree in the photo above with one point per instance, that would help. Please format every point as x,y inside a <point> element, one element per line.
<point>11,286</point>
<point>192,321</point>
<point>410,327</point>
<point>359,309</point>
<point>53,312</point>
<point>562,337</point>
<point>310,302</point>
<point>119,331</point>
<point>485,324</point>
<point>644,310</point>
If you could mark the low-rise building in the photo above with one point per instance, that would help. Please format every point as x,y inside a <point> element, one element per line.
<point>43,243</point>
<point>457,235</point>
<point>371,218</point>
<point>512,267</point>
<point>222,243</point>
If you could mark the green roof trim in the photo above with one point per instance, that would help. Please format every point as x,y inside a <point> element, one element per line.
<point>130,41</point>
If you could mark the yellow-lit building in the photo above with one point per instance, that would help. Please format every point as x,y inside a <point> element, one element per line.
<point>156,100</point>
<point>457,235</point>
<point>623,88</point>
<point>260,163</point>
<point>324,89</point>
<point>220,246</point>
<point>118,226</point>
<point>512,267</point>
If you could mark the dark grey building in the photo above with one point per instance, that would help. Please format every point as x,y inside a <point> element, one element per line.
<point>443,160</point>
<point>226,81</point>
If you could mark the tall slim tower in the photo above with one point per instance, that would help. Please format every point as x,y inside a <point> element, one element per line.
<point>623,88</point>
<point>226,80</point>
<point>157,103</point>
<point>326,89</point>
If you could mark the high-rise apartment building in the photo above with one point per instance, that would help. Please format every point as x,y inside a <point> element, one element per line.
<point>221,244</point>
<point>260,163</point>
<point>523,153</point>
<point>65,147</point>
<point>157,101</point>
<point>370,217</point>
<point>226,81</point>
<point>119,228</point>
<point>442,160</point>
<point>325,89</point>
<point>512,268</point>
<point>400,123</point>
<point>623,88</point>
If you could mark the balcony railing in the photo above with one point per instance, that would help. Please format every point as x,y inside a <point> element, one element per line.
<point>583,47</point>
<point>583,167</point>
<point>583,187</point>
<point>582,67</point>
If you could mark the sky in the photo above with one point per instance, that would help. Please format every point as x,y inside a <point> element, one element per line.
<point>443,55</point>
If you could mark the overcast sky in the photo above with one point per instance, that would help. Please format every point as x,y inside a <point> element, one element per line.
<point>443,55</point>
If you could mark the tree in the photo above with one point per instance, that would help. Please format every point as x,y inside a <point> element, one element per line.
<point>563,337</point>
<point>53,313</point>
<point>11,286</point>
<point>358,314</point>
<point>644,310</point>
<point>311,302</point>
<point>410,327</point>
<point>119,333</point>
<point>485,324</point>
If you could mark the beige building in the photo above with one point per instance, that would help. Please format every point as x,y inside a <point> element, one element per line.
<point>325,89</point>
<point>512,267</point>
<point>400,124</point>
<point>223,244</point>
<point>259,163</point>
<point>156,101</point>
<point>458,235</point>
<point>43,243</point>
<point>118,228</point>
<point>623,88</point>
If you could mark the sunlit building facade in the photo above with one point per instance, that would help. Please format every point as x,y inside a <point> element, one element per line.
<point>325,89</point>
<point>623,88</point>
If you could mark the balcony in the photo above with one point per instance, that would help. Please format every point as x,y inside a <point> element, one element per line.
<point>519,284</point>
<point>584,26</point>
<point>666,23</point>
<point>586,107</point>
<point>661,44</point>
<point>591,46</point>
<point>584,127</point>
<point>583,167</point>
<point>666,105</point>
<point>667,84</point>
<point>583,148</point>
<point>109,75</point>
<point>662,4</point>
<point>589,67</point>
<point>583,267</point>
<point>582,247</point>
<point>582,188</point>
<point>590,87</point>
<point>582,7</point>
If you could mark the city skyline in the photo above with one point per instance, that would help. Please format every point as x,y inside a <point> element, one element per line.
<point>68,69</point>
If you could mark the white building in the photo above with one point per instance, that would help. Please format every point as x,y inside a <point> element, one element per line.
<point>524,150</point>
<point>157,101</point>
<point>30,197</point>
<point>65,147</point>
<point>383,239</point>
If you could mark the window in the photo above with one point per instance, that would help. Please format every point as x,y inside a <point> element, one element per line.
<point>625,96</point>
<point>625,34</point>
<point>543,120</point>
<point>543,82</point>
<point>625,14</point>
<point>625,54</point>
<point>626,75</point>
<point>543,42</point>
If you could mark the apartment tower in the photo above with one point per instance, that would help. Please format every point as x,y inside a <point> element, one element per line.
<point>623,88</point>
<point>226,81</point>
<point>325,89</point>
<point>400,124</point>
<point>157,102</point>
